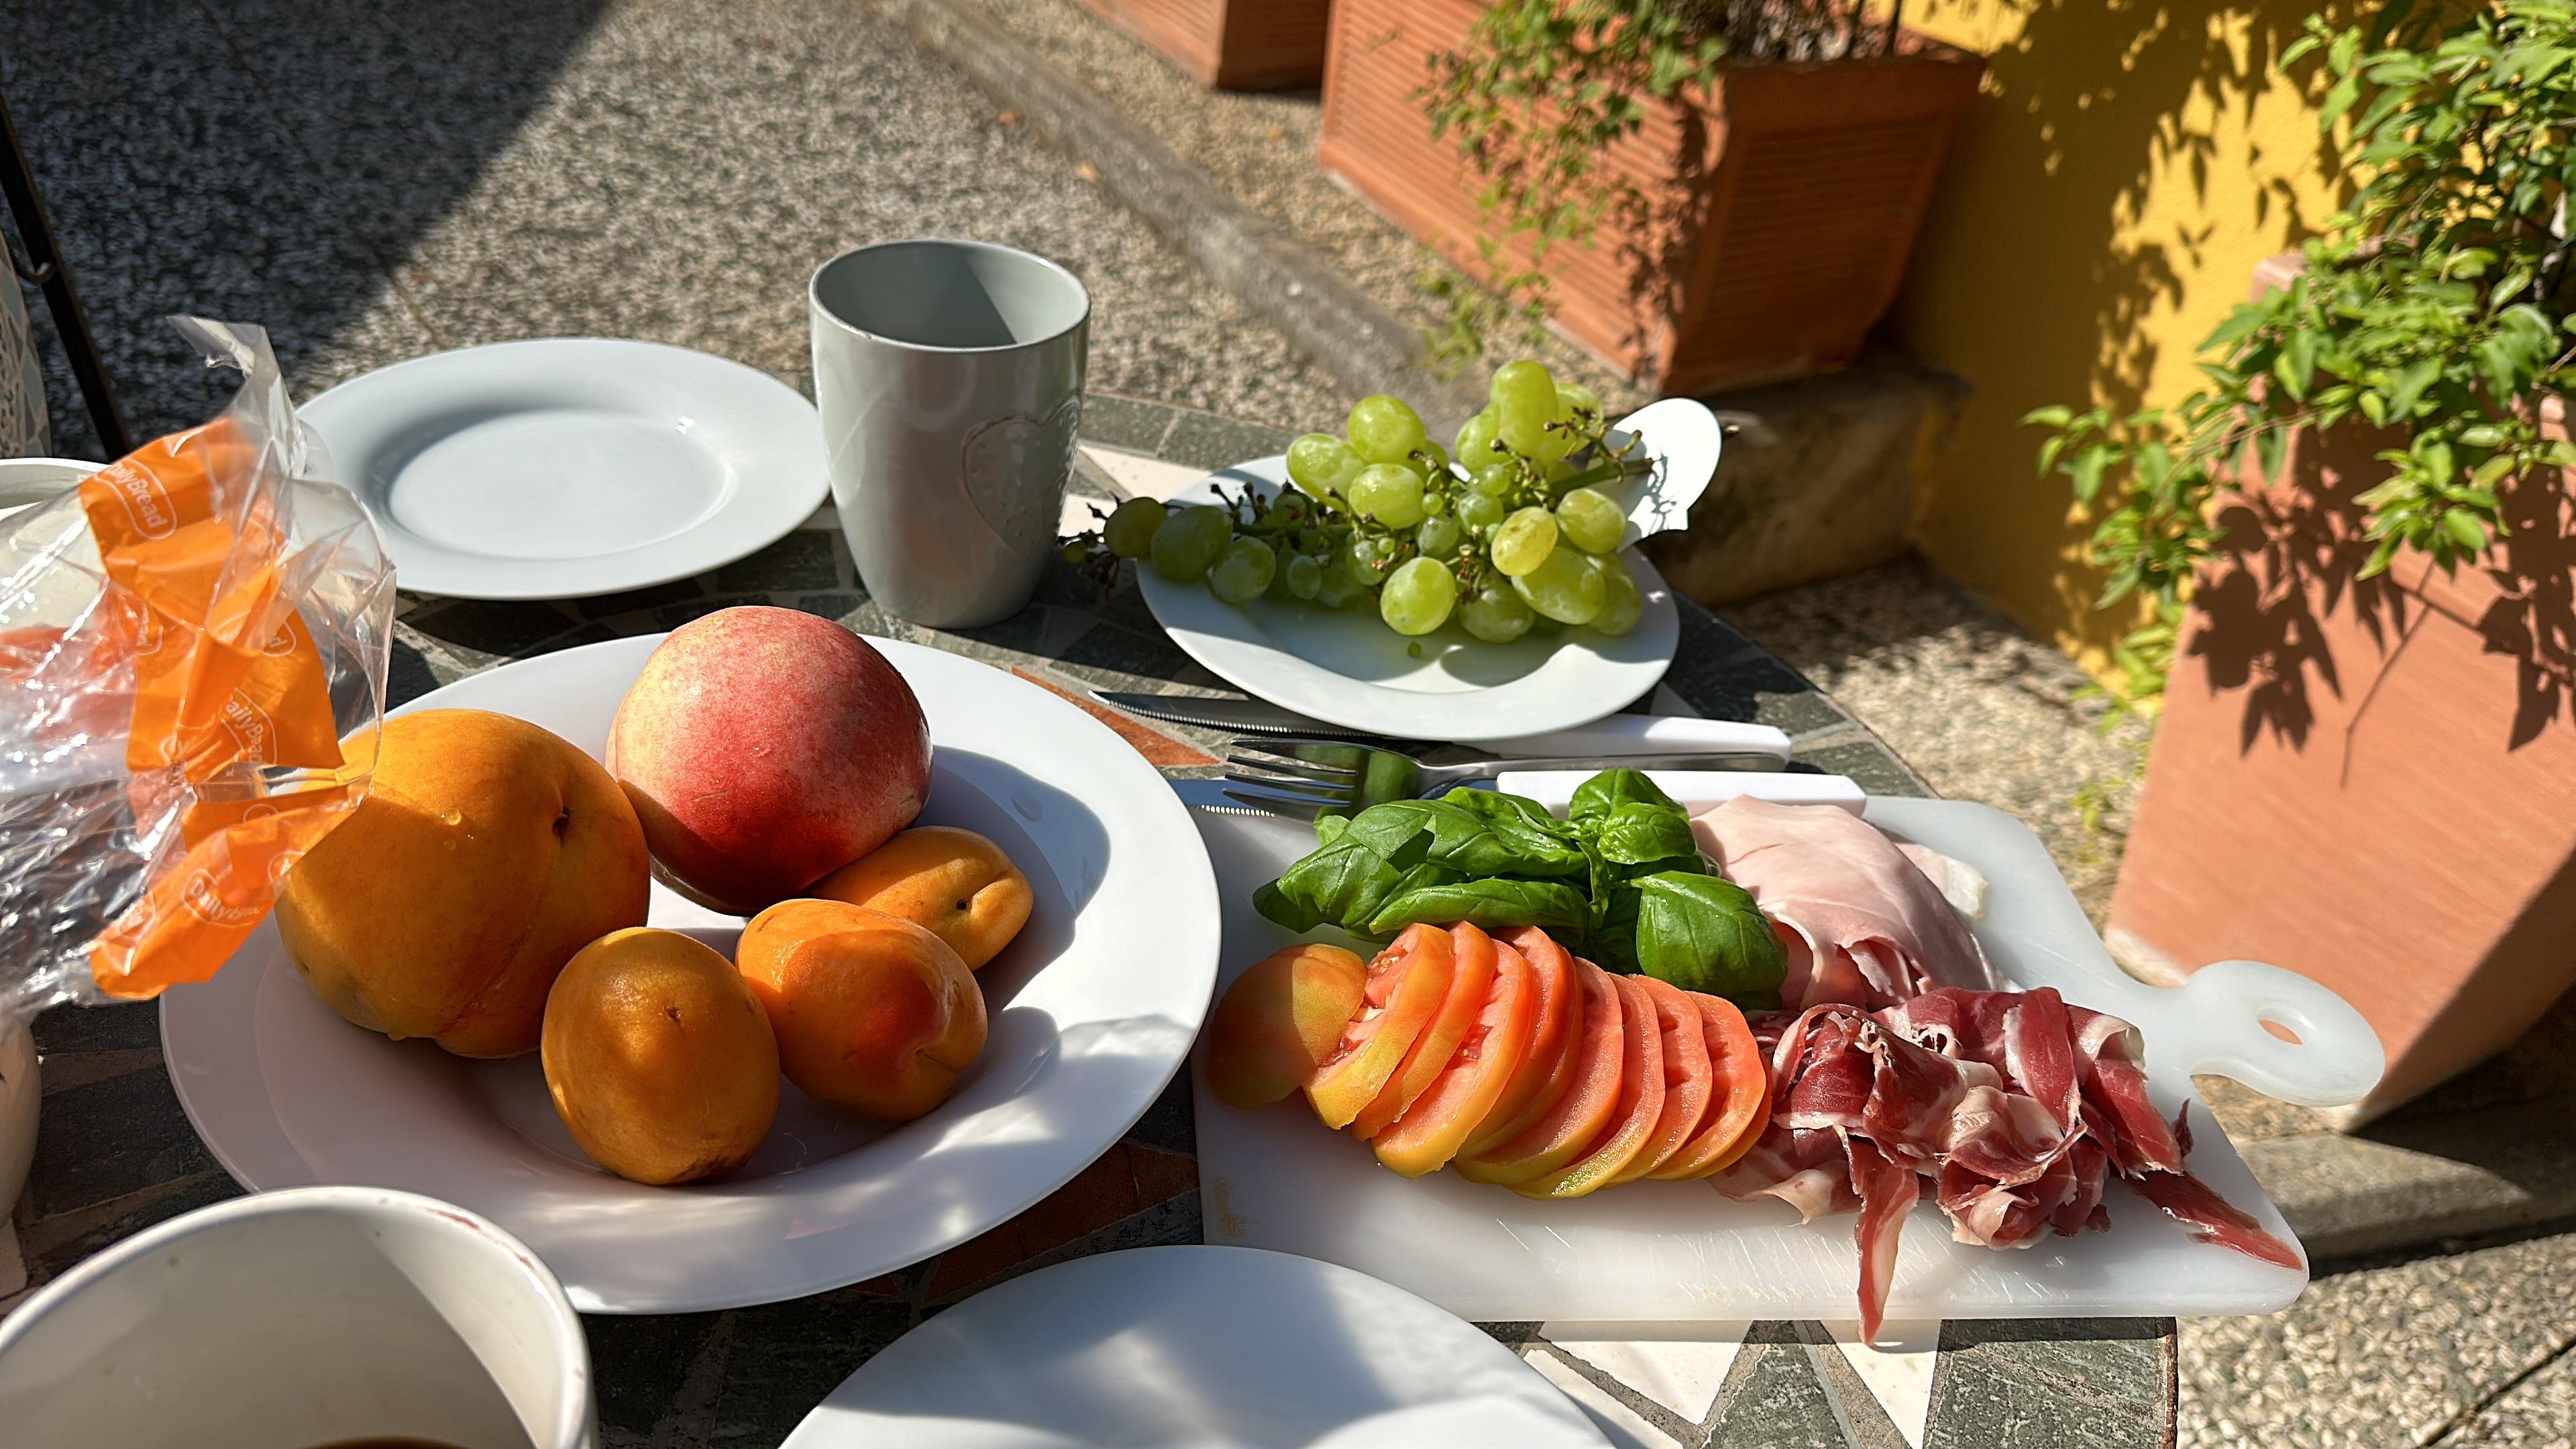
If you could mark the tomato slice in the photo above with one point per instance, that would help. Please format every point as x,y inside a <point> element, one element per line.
<point>1471,980</point>
<point>1548,1064</point>
<point>1740,1106</point>
<point>1687,1079</point>
<point>1640,1104</point>
<point>1576,1117</point>
<point>1407,984</point>
<point>1279,1019</point>
<point>1431,1130</point>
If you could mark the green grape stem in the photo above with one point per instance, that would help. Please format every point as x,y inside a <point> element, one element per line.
<point>1632,463</point>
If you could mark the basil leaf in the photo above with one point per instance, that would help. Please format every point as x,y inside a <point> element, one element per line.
<point>1613,943</point>
<point>1611,789</point>
<point>1637,832</point>
<point>1472,839</point>
<point>1703,933</point>
<point>1553,906</point>
<point>1275,904</point>
<point>1496,806</point>
<point>1343,884</point>
<point>1537,842</point>
<point>1399,830</point>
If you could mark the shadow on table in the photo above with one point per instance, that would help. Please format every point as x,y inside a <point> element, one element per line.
<point>270,161</point>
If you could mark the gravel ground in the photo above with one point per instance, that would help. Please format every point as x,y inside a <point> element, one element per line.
<point>374,181</point>
<point>1261,146</point>
<point>2468,1348</point>
<point>1978,708</point>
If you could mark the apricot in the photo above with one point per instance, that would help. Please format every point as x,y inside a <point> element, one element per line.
<point>874,1015</point>
<point>763,747</point>
<point>954,882</point>
<point>660,1060</point>
<point>486,853</point>
<point>1280,1020</point>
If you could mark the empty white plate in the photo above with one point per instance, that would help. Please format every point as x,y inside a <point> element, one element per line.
<point>571,466</point>
<point>1202,1347</point>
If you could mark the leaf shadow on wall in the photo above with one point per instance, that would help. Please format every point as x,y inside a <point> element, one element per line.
<point>2532,620</point>
<point>2292,561</point>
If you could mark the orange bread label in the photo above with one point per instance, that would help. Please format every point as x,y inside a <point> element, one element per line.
<point>227,684</point>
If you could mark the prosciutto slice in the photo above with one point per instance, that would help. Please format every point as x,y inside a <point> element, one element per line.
<point>1862,923</point>
<point>2015,1106</point>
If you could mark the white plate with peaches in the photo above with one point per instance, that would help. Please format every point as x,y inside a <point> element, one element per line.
<point>520,982</point>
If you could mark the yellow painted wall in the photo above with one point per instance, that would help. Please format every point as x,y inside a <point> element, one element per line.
<point>2127,165</point>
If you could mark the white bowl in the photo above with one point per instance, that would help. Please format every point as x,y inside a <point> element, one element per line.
<point>26,482</point>
<point>18,1102</point>
<point>314,1316</point>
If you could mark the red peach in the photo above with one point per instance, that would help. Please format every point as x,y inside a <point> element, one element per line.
<point>763,748</point>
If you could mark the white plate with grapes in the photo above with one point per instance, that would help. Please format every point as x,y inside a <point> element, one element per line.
<point>1371,582</point>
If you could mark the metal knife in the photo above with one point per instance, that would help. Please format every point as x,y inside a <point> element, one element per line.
<point>1220,713</point>
<point>1210,796</point>
<point>1641,734</point>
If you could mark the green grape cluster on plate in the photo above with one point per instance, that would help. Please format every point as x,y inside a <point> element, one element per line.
<point>1508,531</point>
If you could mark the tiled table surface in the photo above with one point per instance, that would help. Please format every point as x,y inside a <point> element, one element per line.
<point>115,1154</point>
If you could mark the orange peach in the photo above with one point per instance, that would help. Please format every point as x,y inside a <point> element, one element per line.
<point>1279,1020</point>
<point>955,882</point>
<point>660,1060</point>
<point>874,1015</point>
<point>486,853</point>
<point>763,747</point>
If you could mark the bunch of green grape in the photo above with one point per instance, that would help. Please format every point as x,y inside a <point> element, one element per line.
<point>1510,531</point>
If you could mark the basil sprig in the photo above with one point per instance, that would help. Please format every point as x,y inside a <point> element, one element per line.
<point>1620,880</point>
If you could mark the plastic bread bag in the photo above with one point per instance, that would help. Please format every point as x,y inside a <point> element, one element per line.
<point>186,639</point>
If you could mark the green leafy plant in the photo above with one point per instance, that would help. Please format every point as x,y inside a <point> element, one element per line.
<point>1544,88</point>
<point>2438,305</point>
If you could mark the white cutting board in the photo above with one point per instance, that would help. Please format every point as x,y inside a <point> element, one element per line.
<point>1275,1178</point>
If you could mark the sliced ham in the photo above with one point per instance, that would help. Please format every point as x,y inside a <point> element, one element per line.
<point>1961,884</point>
<point>1862,923</point>
<point>2016,1106</point>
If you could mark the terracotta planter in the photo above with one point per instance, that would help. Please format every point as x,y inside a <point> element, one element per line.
<point>2371,782</point>
<point>1785,201</point>
<point>1235,45</point>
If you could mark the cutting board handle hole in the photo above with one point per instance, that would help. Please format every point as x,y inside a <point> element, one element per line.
<point>2280,1029</point>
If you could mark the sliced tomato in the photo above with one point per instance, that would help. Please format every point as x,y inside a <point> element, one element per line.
<point>1407,984</point>
<point>1577,1116</point>
<point>1739,1107</point>
<point>1549,1062</point>
<point>1687,1080</point>
<point>1640,1104</point>
<point>1279,1019</point>
<point>1471,980</point>
<point>1431,1130</point>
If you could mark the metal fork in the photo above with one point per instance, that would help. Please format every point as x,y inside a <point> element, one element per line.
<point>1305,778</point>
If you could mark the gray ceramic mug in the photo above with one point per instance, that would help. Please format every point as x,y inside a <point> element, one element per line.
<point>949,376</point>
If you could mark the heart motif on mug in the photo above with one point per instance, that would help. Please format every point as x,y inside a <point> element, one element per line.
<point>1002,457</point>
